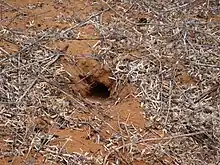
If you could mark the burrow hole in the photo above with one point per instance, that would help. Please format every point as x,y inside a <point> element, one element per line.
<point>99,90</point>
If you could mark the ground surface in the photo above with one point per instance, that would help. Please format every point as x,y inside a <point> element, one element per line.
<point>91,82</point>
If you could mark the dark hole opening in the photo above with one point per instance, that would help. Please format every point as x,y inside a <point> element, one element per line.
<point>99,90</point>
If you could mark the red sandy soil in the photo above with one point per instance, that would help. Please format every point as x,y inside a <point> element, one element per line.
<point>44,16</point>
<point>128,110</point>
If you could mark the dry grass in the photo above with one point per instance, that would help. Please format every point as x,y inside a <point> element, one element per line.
<point>172,41</point>
<point>152,53</point>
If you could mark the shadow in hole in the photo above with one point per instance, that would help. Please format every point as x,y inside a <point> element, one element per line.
<point>99,90</point>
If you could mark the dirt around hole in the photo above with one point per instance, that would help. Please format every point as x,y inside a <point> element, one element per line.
<point>89,77</point>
